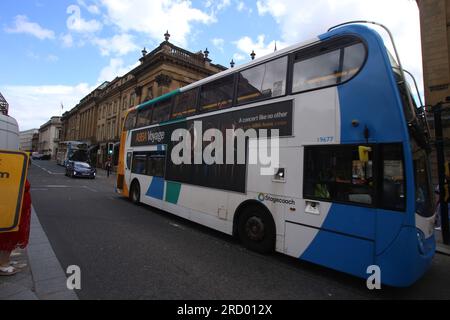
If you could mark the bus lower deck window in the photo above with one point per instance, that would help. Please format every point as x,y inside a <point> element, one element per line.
<point>338,173</point>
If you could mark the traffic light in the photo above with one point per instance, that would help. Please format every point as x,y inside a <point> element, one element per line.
<point>110,149</point>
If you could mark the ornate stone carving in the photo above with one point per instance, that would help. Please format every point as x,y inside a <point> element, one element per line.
<point>163,80</point>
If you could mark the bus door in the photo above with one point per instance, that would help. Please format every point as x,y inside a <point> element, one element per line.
<point>128,161</point>
<point>336,225</point>
<point>127,168</point>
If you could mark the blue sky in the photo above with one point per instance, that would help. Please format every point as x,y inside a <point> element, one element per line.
<point>56,52</point>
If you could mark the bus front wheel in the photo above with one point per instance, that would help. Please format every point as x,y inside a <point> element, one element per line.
<point>135,194</point>
<point>256,230</point>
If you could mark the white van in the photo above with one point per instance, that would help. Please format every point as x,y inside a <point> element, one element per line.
<point>9,133</point>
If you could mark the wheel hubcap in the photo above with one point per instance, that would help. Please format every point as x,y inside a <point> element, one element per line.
<point>255,228</point>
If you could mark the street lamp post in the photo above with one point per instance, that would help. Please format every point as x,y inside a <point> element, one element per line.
<point>439,137</point>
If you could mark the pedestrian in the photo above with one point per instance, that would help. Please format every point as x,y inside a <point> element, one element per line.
<point>10,241</point>
<point>108,167</point>
<point>437,223</point>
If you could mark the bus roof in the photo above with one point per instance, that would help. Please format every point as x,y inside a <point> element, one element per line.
<point>257,61</point>
<point>224,73</point>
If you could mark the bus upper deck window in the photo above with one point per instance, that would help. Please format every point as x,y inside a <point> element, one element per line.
<point>144,117</point>
<point>217,94</point>
<point>262,82</point>
<point>185,104</point>
<point>327,64</point>
<point>319,71</point>
<point>130,121</point>
<point>161,111</point>
<point>354,57</point>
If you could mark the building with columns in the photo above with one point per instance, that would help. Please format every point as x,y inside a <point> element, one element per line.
<point>49,137</point>
<point>98,117</point>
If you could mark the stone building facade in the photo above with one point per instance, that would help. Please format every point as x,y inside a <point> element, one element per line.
<point>49,137</point>
<point>98,118</point>
<point>26,140</point>
<point>435,33</point>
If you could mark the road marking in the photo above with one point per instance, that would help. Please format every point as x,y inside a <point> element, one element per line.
<point>88,188</point>
<point>57,186</point>
<point>46,170</point>
<point>39,189</point>
<point>176,226</point>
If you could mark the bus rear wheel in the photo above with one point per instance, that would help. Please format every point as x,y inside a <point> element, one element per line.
<point>256,230</point>
<point>135,193</point>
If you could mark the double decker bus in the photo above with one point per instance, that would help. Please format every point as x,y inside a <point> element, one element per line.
<point>72,150</point>
<point>352,187</point>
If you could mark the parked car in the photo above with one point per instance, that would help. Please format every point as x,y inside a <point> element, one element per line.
<point>36,156</point>
<point>80,169</point>
<point>46,157</point>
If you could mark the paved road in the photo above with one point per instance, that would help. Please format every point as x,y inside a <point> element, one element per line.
<point>131,252</point>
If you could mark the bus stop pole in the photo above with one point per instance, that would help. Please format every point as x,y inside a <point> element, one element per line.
<point>437,111</point>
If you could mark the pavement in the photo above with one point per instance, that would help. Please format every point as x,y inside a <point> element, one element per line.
<point>137,252</point>
<point>43,277</point>
<point>440,246</point>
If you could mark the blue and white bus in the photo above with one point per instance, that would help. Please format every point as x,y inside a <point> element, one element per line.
<point>352,189</point>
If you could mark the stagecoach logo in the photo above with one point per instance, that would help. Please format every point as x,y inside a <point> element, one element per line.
<point>266,197</point>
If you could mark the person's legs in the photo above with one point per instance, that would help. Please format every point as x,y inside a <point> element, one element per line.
<point>4,258</point>
<point>5,268</point>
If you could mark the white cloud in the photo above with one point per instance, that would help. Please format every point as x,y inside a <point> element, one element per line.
<point>241,7</point>
<point>217,5</point>
<point>92,8</point>
<point>273,7</point>
<point>222,4</point>
<point>52,58</point>
<point>303,19</point>
<point>33,55</point>
<point>218,43</point>
<point>32,106</point>
<point>238,57</point>
<point>114,69</point>
<point>76,23</point>
<point>119,45</point>
<point>154,17</point>
<point>48,58</point>
<point>247,45</point>
<point>23,25</point>
<point>67,40</point>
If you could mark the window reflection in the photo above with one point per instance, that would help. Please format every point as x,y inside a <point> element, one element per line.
<point>262,82</point>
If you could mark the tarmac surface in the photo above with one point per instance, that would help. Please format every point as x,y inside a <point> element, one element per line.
<point>138,252</point>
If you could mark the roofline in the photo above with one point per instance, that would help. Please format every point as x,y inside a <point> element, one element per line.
<point>224,73</point>
<point>267,57</point>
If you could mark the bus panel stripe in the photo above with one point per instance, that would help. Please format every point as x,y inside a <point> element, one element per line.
<point>173,192</point>
<point>156,188</point>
